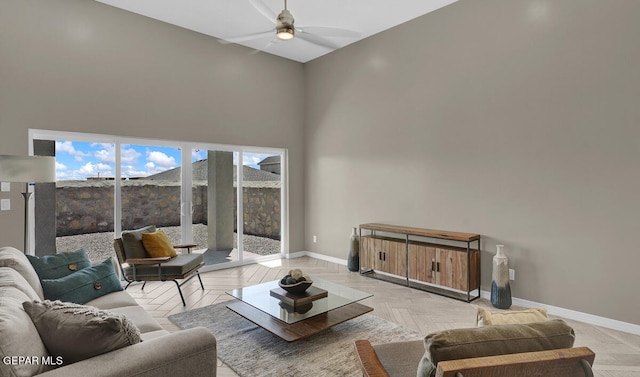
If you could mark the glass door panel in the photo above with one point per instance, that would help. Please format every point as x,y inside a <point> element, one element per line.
<point>150,188</point>
<point>213,191</point>
<point>261,204</point>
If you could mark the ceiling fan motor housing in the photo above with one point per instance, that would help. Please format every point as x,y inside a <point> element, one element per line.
<point>284,25</point>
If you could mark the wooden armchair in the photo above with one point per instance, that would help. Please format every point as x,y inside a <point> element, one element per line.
<point>182,267</point>
<point>501,357</point>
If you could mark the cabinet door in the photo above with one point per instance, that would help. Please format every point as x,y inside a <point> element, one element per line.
<point>422,263</point>
<point>367,252</point>
<point>394,260</point>
<point>453,269</point>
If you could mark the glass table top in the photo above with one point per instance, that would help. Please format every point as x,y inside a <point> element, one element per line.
<point>259,297</point>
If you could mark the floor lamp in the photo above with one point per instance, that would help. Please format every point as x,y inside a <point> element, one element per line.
<point>27,169</point>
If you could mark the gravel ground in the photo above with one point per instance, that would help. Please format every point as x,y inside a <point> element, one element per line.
<point>99,246</point>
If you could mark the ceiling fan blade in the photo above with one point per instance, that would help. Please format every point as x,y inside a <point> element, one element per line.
<point>271,43</point>
<point>317,40</point>
<point>264,10</point>
<point>248,37</point>
<point>330,32</point>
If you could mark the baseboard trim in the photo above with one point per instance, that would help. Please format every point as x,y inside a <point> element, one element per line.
<point>575,315</point>
<point>553,310</point>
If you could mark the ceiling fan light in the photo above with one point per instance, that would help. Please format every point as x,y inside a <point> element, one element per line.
<point>285,33</point>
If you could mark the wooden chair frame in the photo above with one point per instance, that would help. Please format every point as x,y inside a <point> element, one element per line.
<point>133,262</point>
<point>566,362</point>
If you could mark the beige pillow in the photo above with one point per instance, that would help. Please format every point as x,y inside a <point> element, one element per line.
<point>14,258</point>
<point>486,317</point>
<point>75,332</point>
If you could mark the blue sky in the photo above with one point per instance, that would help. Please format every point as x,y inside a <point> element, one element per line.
<point>79,160</point>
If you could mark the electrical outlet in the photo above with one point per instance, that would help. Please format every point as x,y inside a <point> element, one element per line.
<point>5,204</point>
<point>315,239</point>
<point>512,274</point>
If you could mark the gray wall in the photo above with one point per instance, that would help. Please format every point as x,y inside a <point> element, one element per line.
<point>77,65</point>
<point>518,120</point>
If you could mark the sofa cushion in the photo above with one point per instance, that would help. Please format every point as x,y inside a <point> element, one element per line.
<point>19,337</point>
<point>509,317</point>
<point>83,285</point>
<point>179,265</point>
<point>112,300</point>
<point>59,265</point>
<point>493,340</point>
<point>12,278</point>
<point>77,332</point>
<point>140,317</point>
<point>13,258</point>
<point>158,245</point>
<point>132,242</point>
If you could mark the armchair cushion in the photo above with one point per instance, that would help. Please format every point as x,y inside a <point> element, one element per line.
<point>179,265</point>
<point>77,332</point>
<point>493,340</point>
<point>132,242</point>
<point>84,285</point>
<point>59,265</point>
<point>157,244</point>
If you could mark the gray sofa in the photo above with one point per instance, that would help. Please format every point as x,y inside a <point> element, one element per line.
<point>189,352</point>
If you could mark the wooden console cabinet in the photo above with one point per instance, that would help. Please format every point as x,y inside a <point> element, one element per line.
<point>406,256</point>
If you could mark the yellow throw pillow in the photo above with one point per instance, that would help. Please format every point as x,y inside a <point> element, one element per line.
<point>158,245</point>
<point>486,317</point>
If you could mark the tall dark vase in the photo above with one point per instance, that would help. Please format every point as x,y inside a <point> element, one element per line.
<point>353,259</point>
<point>500,287</point>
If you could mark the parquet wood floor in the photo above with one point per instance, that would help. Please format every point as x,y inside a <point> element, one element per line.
<point>617,353</point>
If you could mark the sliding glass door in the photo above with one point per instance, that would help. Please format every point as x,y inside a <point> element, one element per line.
<point>197,193</point>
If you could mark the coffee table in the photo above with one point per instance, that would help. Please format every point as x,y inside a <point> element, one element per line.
<point>256,304</point>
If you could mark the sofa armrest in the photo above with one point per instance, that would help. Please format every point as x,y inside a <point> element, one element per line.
<point>189,352</point>
<point>369,361</point>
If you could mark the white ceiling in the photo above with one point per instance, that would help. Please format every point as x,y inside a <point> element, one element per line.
<point>226,19</point>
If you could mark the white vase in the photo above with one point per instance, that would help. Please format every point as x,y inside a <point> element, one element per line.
<point>500,286</point>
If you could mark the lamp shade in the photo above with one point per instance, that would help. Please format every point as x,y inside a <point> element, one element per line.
<point>27,169</point>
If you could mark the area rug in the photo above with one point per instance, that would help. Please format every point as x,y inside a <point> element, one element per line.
<point>254,352</point>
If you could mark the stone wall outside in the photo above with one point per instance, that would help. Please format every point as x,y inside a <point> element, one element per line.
<point>87,207</point>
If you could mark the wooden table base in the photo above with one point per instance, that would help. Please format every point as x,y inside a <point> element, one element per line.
<point>302,329</point>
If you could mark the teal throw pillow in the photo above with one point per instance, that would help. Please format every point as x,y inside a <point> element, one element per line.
<point>59,265</point>
<point>84,285</point>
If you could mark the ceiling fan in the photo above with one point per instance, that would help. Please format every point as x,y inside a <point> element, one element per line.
<point>285,30</point>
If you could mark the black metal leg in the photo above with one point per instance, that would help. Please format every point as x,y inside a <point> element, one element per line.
<point>143,284</point>
<point>201,285</point>
<point>180,291</point>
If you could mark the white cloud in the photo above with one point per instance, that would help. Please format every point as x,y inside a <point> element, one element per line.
<point>60,166</point>
<point>68,148</point>
<point>161,159</point>
<point>129,155</point>
<point>197,155</point>
<point>131,171</point>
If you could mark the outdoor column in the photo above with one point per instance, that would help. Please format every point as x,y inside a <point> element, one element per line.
<point>45,205</point>
<point>220,200</point>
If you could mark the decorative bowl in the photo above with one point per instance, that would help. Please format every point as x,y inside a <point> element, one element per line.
<point>297,288</point>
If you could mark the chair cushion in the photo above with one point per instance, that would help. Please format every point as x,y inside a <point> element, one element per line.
<point>400,358</point>
<point>15,259</point>
<point>77,332</point>
<point>486,317</point>
<point>132,242</point>
<point>84,285</point>
<point>179,265</point>
<point>112,300</point>
<point>59,265</point>
<point>493,340</point>
<point>158,245</point>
